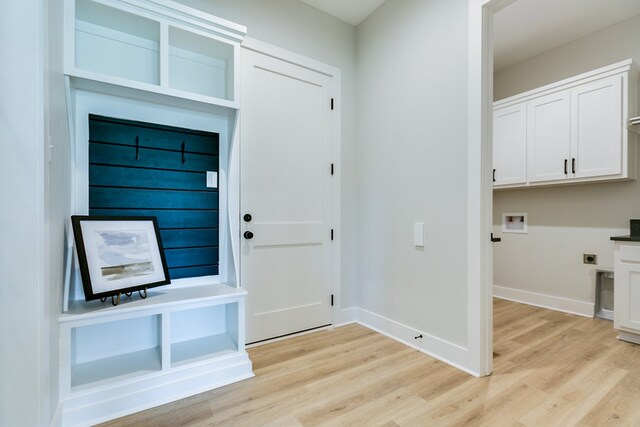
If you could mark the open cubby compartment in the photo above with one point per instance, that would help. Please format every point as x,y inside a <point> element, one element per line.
<point>104,351</point>
<point>203,333</point>
<point>200,64</point>
<point>116,43</point>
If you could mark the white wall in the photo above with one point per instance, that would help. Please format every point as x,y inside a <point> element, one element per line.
<point>293,25</point>
<point>412,162</point>
<point>565,222</point>
<point>24,330</point>
<point>58,195</point>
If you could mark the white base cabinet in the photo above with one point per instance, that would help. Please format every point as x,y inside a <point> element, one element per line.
<point>627,291</point>
<point>143,353</point>
<point>573,131</point>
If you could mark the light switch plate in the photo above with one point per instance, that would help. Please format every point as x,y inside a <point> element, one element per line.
<point>212,179</point>
<point>418,234</point>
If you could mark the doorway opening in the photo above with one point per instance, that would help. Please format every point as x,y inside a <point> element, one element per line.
<point>539,60</point>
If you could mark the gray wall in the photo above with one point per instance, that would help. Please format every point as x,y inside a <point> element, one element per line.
<point>565,222</point>
<point>412,145</point>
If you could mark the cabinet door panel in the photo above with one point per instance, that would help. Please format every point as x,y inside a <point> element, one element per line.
<point>549,144</point>
<point>596,140</point>
<point>627,296</point>
<point>510,145</point>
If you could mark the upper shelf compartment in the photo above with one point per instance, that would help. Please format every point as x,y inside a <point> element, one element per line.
<point>153,45</point>
<point>116,43</point>
<point>200,65</point>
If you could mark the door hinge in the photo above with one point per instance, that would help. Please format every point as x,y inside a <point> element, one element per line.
<point>331,168</point>
<point>332,234</point>
<point>331,300</point>
<point>331,103</point>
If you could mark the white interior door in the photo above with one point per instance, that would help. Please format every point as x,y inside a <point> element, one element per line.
<point>286,188</point>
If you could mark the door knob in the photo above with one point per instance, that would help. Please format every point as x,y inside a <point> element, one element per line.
<point>495,239</point>
<point>247,217</point>
<point>248,235</point>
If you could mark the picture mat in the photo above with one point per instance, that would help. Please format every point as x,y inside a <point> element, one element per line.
<point>93,232</point>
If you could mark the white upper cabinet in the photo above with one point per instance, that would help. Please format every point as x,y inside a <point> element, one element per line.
<point>510,145</point>
<point>549,129</point>
<point>597,125</point>
<point>576,130</point>
<point>153,45</point>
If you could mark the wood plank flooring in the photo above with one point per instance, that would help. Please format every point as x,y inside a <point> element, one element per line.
<point>550,369</point>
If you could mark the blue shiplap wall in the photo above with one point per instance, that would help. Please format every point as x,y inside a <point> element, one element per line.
<point>137,169</point>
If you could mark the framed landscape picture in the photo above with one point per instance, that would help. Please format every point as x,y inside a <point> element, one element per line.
<point>119,255</point>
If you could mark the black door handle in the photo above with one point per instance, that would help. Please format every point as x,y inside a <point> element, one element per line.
<point>565,167</point>
<point>248,235</point>
<point>247,217</point>
<point>573,165</point>
<point>494,175</point>
<point>495,239</point>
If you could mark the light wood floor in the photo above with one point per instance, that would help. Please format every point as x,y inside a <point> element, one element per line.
<point>550,369</point>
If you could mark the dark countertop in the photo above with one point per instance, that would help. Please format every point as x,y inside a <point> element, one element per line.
<point>626,238</point>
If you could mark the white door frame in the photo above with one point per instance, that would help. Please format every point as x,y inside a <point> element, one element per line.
<point>336,134</point>
<point>480,188</point>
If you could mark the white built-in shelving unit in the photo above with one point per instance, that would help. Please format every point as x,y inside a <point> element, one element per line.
<point>184,338</point>
<point>157,46</point>
<point>120,359</point>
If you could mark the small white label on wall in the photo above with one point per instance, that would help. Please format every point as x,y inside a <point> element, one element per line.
<point>418,234</point>
<point>212,179</point>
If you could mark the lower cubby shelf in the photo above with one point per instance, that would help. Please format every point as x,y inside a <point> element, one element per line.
<point>120,360</point>
<point>200,349</point>
<point>116,367</point>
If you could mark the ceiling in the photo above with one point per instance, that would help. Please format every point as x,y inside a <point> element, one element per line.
<point>522,30</point>
<point>530,27</point>
<point>350,11</point>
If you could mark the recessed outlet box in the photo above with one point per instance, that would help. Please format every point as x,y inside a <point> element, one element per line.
<point>590,259</point>
<point>514,223</point>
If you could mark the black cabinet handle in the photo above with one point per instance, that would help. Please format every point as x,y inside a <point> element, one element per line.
<point>494,175</point>
<point>495,239</point>
<point>565,167</point>
<point>248,235</point>
<point>573,165</point>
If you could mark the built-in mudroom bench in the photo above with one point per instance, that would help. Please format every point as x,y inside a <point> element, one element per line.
<point>145,352</point>
<point>152,100</point>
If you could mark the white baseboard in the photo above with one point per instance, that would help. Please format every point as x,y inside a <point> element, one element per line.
<point>345,316</point>
<point>566,305</point>
<point>56,420</point>
<point>445,351</point>
<point>629,337</point>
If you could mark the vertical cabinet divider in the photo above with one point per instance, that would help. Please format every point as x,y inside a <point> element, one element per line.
<point>164,55</point>
<point>166,340</point>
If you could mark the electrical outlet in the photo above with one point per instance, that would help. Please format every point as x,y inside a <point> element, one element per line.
<point>590,259</point>
<point>212,179</point>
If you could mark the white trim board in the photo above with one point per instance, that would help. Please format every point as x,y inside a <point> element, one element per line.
<point>566,305</point>
<point>629,337</point>
<point>438,348</point>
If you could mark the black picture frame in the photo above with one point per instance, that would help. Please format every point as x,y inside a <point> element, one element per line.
<point>104,244</point>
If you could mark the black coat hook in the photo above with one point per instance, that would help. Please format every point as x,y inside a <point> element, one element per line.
<point>137,147</point>
<point>183,158</point>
